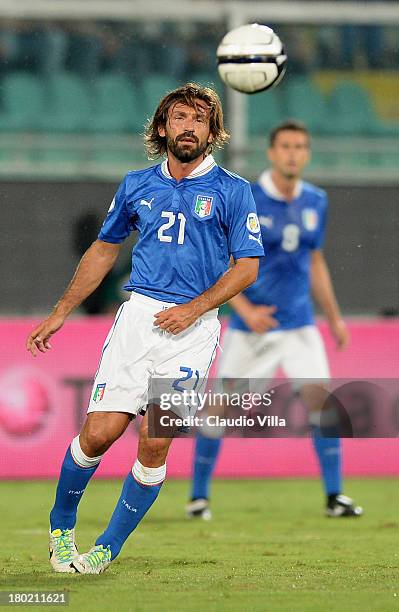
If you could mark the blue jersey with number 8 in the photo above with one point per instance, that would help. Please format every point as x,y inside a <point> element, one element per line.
<point>290,232</point>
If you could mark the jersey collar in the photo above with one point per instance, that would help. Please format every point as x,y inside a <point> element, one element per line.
<point>205,166</point>
<point>266,182</point>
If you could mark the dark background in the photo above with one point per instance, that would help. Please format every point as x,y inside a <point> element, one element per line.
<point>41,243</point>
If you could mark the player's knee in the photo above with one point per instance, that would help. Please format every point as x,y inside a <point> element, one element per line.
<point>152,451</point>
<point>95,440</point>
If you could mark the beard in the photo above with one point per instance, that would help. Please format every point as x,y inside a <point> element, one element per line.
<point>185,152</point>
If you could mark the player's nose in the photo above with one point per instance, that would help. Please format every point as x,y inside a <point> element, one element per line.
<point>189,124</point>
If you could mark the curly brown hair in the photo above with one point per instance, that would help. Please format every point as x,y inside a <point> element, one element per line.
<point>188,94</point>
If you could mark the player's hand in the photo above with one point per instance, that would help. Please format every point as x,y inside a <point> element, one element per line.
<point>176,319</point>
<point>260,318</point>
<point>341,334</point>
<point>39,338</point>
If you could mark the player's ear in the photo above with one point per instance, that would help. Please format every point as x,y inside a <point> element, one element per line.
<point>211,138</point>
<point>162,131</point>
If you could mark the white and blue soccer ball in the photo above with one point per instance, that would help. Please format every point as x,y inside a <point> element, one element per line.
<point>251,58</point>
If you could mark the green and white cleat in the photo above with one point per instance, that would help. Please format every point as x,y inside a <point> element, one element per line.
<point>95,561</point>
<point>62,550</point>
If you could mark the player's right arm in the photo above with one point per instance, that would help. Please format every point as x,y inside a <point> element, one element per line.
<point>258,317</point>
<point>93,267</point>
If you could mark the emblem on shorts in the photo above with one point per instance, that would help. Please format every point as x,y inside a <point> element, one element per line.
<point>203,206</point>
<point>99,392</point>
<point>309,219</point>
<point>253,223</point>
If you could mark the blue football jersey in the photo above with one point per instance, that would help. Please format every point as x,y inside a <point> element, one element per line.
<point>290,232</point>
<point>187,229</point>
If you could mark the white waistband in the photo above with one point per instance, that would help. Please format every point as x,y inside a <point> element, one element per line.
<point>156,305</point>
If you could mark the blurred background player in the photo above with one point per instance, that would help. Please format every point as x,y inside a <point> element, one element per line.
<point>273,325</point>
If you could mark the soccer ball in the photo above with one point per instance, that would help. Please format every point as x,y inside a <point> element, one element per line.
<point>251,58</point>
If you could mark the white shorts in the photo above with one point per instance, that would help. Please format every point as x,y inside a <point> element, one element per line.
<point>300,353</point>
<point>137,356</point>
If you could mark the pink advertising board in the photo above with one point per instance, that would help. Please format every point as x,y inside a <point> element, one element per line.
<point>42,403</point>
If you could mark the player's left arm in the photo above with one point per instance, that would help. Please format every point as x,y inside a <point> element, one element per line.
<point>323,291</point>
<point>236,279</point>
<point>244,245</point>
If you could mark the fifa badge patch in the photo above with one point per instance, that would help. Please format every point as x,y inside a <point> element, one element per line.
<point>310,219</point>
<point>99,392</point>
<point>253,223</point>
<point>203,206</point>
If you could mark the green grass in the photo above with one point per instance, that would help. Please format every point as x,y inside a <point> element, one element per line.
<point>268,547</point>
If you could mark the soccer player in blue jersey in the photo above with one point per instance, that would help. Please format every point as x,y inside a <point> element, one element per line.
<point>192,216</point>
<point>272,324</point>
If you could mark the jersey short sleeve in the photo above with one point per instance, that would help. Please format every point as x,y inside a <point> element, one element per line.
<point>321,232</point>
<point>244,238</point>
<point>117,224</point>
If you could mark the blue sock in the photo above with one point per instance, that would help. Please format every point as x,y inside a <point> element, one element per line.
<point>205,457</point>
<point>71,485</point>
<point>135,500</point>
<point>328,451</point>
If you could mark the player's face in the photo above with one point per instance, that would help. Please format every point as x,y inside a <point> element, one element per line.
<point>187,131</point>
<point>290,153</point>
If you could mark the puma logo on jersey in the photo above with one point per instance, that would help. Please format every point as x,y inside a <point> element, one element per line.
<point>145,203</point>
<point>258,239</point>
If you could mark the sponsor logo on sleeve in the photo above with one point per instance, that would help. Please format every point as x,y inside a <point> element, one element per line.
<point>258,239</point>
<point>253,223</point>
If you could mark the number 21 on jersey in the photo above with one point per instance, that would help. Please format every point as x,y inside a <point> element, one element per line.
<point>171,219</point>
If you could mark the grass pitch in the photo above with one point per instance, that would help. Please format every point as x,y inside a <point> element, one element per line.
<point>268,547</point>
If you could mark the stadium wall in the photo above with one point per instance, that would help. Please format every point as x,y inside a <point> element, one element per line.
<point>43,400</point>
